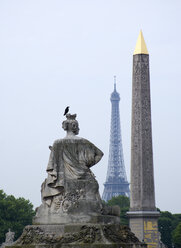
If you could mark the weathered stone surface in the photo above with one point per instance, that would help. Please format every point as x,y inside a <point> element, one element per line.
<point>142,178</point>
<point>143,215</point>
<point>9,239</point>
<point>72,213</point>
<point>70,194</point>
<point>86,235</point>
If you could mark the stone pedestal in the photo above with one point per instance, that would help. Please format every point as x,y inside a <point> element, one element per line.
<point>78,235</point>
<point>144,224</point>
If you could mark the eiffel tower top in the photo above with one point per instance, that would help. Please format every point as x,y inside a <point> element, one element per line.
<point>140,45</point>
<point>115,95</point>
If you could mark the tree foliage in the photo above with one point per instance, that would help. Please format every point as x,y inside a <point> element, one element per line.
<point>14,214</point>
<point>165,228</point>
<point>123,202</point>
<point>177,236</point>
<point>167,223</point>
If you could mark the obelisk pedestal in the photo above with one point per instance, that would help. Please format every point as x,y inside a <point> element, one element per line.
<point>142,215</point>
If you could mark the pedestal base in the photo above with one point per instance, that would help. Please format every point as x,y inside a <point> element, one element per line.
<point>77,235</point>
<point>145,226</point>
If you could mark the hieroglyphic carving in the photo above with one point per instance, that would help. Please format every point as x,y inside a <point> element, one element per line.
<point>142,155</point>
<point>151,235</point>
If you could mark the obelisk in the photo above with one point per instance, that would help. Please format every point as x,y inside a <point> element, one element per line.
<point>142,215</point>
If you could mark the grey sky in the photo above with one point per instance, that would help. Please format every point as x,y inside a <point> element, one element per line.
<point>55,53</point>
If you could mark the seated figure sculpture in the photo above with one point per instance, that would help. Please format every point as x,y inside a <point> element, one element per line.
<point>72,213</point>
<point>70,192</point>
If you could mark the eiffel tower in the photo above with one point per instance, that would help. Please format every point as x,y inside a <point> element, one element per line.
<point>116,180</point>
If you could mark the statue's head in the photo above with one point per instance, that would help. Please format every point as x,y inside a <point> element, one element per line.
<point>71,125</point>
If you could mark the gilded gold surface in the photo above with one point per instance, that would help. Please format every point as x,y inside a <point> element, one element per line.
<point>151,233</point>
<point>140,45</point>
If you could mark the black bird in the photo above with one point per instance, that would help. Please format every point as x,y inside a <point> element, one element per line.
<point>66,110</point>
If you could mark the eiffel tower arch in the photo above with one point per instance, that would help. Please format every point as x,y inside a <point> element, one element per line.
<point>116,180</point>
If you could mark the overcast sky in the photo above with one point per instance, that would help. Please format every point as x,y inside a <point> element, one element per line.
<point>55,53</point>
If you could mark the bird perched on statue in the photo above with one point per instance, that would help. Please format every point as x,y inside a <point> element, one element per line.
<point>66,110</point>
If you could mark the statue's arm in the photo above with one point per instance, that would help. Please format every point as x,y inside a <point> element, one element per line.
<point>98,155</point>
<point>90,154</point>
<point>52,160</point>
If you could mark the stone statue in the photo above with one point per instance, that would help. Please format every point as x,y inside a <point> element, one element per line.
<point>9,236</point>
<point>70,192</point>
<point>72,213</point>
<point>9,239</point>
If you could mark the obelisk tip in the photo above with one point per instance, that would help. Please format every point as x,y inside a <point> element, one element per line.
<point>140,45</point>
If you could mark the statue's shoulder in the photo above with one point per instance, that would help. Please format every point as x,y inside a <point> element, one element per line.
<point>76,139</point>
<point>69,140</point>
<point>87,143</point>
<point>58,141</point>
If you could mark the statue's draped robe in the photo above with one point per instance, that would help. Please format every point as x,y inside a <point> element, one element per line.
<point>69,159</point>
